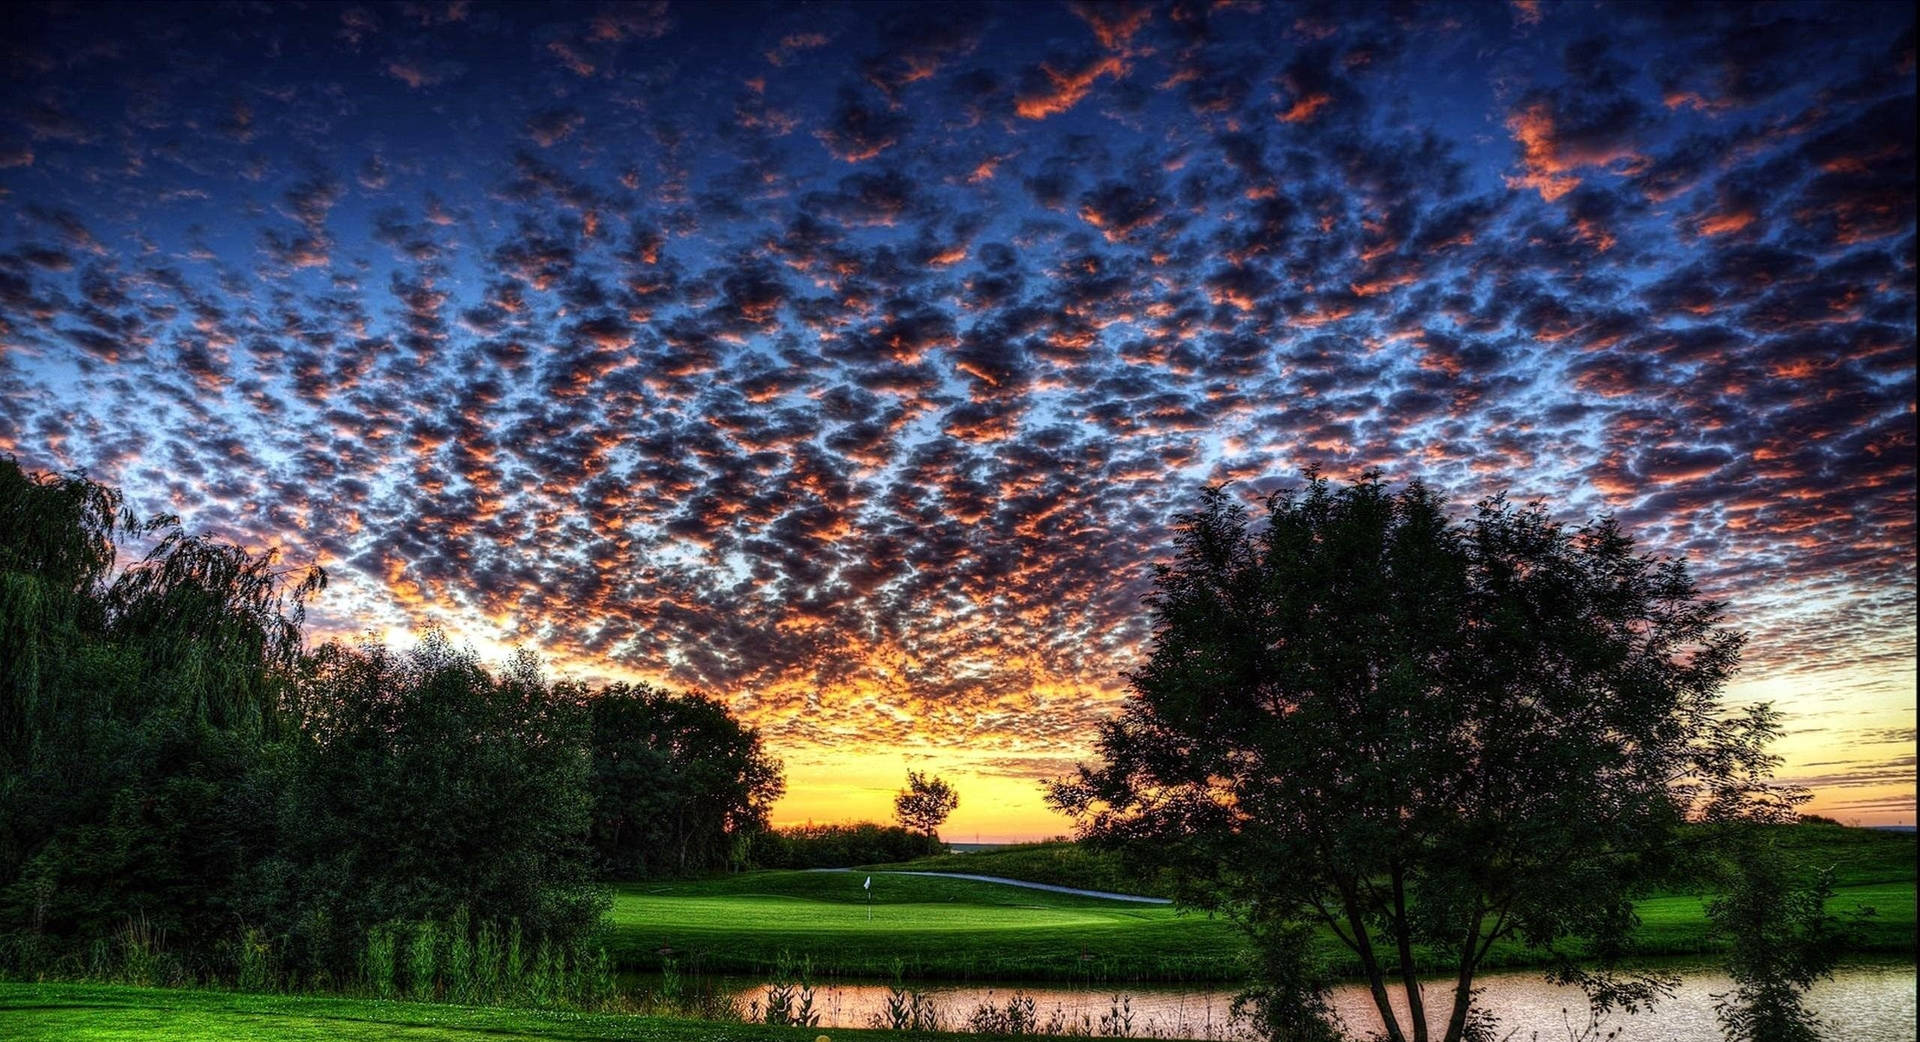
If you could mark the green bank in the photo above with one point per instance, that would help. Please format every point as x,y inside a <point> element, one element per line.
<point>110,1013</point>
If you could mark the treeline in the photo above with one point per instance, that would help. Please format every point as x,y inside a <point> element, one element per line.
<point>841,846</point>
<point>184,785</point>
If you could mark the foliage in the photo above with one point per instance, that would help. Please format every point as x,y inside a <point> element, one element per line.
<point>140,719</point>
<point>925,803</point>
<point>906,1009</point>
<point>840,846</point>
<point>1784,937</point>
<point>789,999</point>
<point>1017,1017</point>
<point>677,781</point>
<point>428,785</point>
<point>187,794</point>
<point>1417,732</point>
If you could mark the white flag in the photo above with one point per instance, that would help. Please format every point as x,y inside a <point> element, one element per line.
<point>868,885</point>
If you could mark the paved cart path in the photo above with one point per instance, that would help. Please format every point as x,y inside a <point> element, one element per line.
<point>1015,882</point>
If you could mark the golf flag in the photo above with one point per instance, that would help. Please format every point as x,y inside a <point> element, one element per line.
<point>868,885</point>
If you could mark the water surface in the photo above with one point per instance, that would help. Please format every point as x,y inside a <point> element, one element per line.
<point>1862,1003</point>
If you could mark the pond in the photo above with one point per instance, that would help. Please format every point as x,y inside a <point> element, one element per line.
<point>1862,1003</point>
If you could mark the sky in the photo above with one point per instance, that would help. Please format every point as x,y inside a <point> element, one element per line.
<point>850,362</point>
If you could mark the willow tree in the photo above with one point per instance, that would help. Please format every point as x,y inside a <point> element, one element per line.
<point>1421,737</point>
<point>142,669</point>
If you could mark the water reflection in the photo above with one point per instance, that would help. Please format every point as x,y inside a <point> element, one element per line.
<point>1867,1003</point>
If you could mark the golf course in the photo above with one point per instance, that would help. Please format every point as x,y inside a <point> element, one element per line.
<point>934,929</point>
<point>941,928</point>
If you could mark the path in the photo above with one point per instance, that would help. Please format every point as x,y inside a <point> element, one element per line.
<point>1017,882</point>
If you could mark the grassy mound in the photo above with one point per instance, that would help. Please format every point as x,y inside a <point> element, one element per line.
<point>1057,863</point>
<point>1857,856</point>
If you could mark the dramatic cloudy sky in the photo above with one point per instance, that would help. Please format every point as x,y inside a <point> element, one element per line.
<point>848,362</point>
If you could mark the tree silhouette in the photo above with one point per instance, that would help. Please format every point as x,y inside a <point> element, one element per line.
<point>1365,718</point>
<point>135,702</point>
<point>925,803</point>
<point>677,782</point>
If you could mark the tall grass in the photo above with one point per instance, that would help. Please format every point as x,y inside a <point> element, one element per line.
<point>906,1009</point>
<point>377,962</point>
<point>790,993</point>
<point>140,958</point>
<point>460,962</point>
<point>255,958</point>
<point>422,955</point>
<point>516,964</point>
<point>489,959</point>
<point>457,968</point>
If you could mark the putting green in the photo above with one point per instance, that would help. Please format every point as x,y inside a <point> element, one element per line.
<point>935,927</point>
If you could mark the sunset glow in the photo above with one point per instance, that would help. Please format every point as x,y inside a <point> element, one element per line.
<point>849,363</point>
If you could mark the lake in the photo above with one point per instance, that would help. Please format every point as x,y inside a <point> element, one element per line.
<point>1862,1003</point>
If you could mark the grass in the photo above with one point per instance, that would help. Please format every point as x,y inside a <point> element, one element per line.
<point>1857,856</point>
<point>947,928</point>
<point>1058,863</point>
<point>112,1013</point>
<point>965,930</point>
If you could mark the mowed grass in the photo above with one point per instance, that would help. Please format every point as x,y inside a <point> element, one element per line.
<point>967,930</point>
<point>947,928</point>
<point>1058,862</point>
<point>1857,856</point>
<point>112,1013</point>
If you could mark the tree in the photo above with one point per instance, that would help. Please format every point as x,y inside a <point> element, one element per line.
<point>1783,939</point>
<point>676,781</point>
<point>137,705</point>
<point>925,803</point>
<point>1412,732</point>
<point>428,785</point>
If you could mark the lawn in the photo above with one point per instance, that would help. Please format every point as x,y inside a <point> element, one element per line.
<point>965,930</point>
<point>946,928</point>
<point>111,1013</point>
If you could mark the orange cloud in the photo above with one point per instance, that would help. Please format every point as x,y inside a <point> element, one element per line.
<point>1064,90</point>
<point>1550,157</point>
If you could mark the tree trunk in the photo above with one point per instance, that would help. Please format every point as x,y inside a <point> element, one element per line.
<point>1416,1009</point>
<point>1363,946</point>
<point>1463,984</point>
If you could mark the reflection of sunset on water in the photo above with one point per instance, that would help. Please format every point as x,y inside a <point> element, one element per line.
<point>850,363</point>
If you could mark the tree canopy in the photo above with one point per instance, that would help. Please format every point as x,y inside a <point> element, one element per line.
<point>678,784</point>
<point>1419,734</point>
<point>174,758</point>
<point>925,803</point>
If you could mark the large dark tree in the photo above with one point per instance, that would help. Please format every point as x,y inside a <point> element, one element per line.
<point>135,702</point>
<point>428,784</point>
<point>1415,734</point>
<point>678,784</point>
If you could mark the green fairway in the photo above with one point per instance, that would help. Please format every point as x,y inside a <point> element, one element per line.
<point>966,930</point>
<point>949,928</point>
